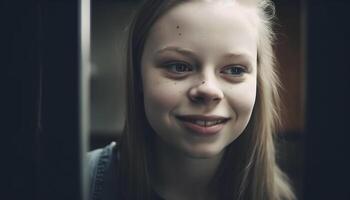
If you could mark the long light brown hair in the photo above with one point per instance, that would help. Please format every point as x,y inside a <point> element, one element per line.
<point>248,169</point>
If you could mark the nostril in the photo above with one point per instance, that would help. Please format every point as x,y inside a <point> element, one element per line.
<point>205,93</point>
<point>198,99</point>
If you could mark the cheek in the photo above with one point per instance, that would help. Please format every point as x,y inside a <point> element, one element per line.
<point>242,99</point>
<point>160,95</point>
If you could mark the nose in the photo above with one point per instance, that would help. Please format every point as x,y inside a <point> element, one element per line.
<point>205,92</point>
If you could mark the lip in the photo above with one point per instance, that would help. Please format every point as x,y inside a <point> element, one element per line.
<point>202,130</point>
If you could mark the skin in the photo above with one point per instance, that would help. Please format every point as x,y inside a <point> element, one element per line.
<point>206,50</point>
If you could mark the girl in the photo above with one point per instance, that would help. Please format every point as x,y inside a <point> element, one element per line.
<point>202,108</point>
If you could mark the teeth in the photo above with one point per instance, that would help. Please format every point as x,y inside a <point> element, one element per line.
<point>200,122</point>
<point>207,123</point>
<point>210,123</point>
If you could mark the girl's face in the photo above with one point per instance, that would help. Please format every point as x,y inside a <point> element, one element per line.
<point>199,72</point>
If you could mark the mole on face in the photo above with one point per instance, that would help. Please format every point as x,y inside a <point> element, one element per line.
<point>203,82</point>
<point>178,27</point>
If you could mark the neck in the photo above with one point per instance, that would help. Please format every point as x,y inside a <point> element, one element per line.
<point>179,176</point>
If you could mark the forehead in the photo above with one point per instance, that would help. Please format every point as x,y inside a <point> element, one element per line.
<point>221,25</point>
<point>226,10</point>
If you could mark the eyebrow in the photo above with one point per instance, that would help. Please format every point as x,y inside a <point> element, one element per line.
<point>242,55</point>
<point>180,50</point>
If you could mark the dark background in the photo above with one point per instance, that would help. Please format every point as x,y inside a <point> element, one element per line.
<point>40,59</point>
<point>40,133</point>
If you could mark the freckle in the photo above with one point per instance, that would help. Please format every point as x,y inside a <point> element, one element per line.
<point>179,33</point>
<point>203,82</point>
<point>177,26</point>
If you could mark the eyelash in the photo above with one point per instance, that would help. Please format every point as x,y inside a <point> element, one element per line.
<point>239,70</point>
<point>174,67</point>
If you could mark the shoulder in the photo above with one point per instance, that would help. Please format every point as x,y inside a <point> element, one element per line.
<point>101,164</point>
<point>102,156</point>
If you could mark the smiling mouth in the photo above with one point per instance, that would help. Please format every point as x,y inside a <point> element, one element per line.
<point>202,120</point>
<point>203,125</point>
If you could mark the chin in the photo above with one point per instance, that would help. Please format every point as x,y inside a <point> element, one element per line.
<point>203,152</point>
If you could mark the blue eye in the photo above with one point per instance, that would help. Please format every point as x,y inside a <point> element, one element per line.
<point>234,70</point>
<point>178,67</point>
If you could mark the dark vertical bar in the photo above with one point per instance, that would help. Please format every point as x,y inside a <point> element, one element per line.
<point>41,133</point>
<point>19,64</point>
<point>59,173</point>
<point>327,138</point>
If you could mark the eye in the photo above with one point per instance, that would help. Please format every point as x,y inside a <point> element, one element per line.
<point>178,67</point>
<point>234,70</point>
